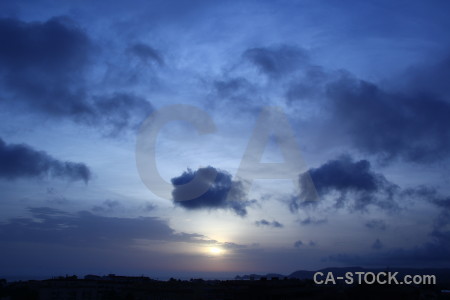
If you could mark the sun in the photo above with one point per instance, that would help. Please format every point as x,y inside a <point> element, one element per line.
<point>215,250</point>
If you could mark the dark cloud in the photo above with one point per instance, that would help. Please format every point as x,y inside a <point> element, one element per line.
<point>56,45</point>
<point>376,224</point>
<point>441,232</point>
<point>44,69</point>
<point>301,244</point>
<point>377,245</point>
<point>298,244</point>
<point>274,224</point>
<point>441,202</point>
<point>426,255</point>
<point>277,61</point>
<point>307,85</point>
<point>233,246</point>
<point>22,161</point>
<point>147,54</point>
<point>312,221</point>
<point>149,207</point>
<point>42,64</point>
<point>431,77</point>
<point>238,90</point>
<point>118,112</point>
<point>349,180</point>
<point>222,194</point>
<point>433,252</point>
<point>429,194</point>
<point>107,206</point>
<point>84,229</point>
<point>391,125</point>
<point>408,121</point>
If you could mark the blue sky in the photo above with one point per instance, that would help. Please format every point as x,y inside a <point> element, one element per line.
<point>363,87</point>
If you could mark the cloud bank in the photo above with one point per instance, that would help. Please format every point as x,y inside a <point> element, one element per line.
<point>22,161</point>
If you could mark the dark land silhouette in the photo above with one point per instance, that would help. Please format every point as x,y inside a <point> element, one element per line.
<point>298,285</point>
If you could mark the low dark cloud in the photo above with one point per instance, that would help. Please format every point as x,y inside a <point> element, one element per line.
<point>441,202</point>
<point>376,225</point>
<point>429,194</point>
<point>85,229</point>
<point>433,252</point>
<point>149,206</point>
<point>277,61</point>
<point>147,53</point>
<point>429,254</point>
<point>274,224</point>
<point>301,244</point>
<point>232,246</point>
<point>44,69</point>
<point>222,194</point>
<point>312,221</point>
<point>298,244</point>
<point>22,161</point>
<point>377,245</point>
<point>348,182</point>
<point>107,206</point>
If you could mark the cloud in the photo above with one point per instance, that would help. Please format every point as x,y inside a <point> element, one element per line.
<point>276,61</point>
<point>240,91</point>
<point>147,53</point>
<point>258,77</point>
<point>344,180</point>
<point>107,206</point>
<point>117,112</point>
<point>298,244</point>
<point>149,207</point>
<point>42,64</point>
<point>388,124</point>
<point>312,221</point>
<point>274,224</point>
<point>22,161</point>
<point>433,252</point>
<point>57,45</point>
<point>84,229</point>
<point>425,255</point>
<point>430,194</point>
<point>373,118</point>
<point>222,194</point>
<point>377,245</point>
<point>301,244</point>
<point>376,225</point>
<point>232,246</point>
<point>44,70</point>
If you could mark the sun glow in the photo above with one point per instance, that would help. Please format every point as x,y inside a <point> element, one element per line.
<point>215,250</point>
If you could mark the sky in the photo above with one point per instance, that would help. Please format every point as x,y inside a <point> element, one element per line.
<point>207,138</point>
